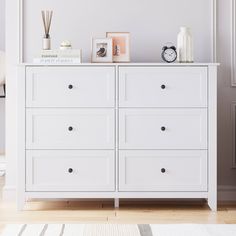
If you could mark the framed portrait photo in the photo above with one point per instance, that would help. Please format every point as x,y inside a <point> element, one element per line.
<point>102,50</point>
<point>121,46</point>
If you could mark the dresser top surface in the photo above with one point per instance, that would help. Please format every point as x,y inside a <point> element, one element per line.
<point>125,64</point>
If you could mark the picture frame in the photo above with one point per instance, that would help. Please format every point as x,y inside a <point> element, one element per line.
<point>101,50</point>
<point>121,46</point>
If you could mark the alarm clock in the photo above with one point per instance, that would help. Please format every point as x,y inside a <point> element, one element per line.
<point>169,54</point>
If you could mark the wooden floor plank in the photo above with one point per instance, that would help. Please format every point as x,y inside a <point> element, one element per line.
<point>137,211</point>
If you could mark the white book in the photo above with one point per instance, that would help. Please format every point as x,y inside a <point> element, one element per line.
<point>61,60</point>
<point>61,53</point>
<point>60,56</point>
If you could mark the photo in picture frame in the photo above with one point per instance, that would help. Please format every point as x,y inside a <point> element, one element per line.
<point>101,50</point>
<point>121,46</point>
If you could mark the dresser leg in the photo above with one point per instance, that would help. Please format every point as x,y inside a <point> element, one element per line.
<point>212,203</point>
<point>116,203</point>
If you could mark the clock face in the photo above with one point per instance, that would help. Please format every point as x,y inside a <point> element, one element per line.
<point>169,55</point>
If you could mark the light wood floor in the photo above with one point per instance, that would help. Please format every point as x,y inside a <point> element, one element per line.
<point>103,211</point>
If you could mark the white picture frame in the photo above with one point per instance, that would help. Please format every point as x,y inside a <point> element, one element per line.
<point>101,50</point>
<point>121,46</point>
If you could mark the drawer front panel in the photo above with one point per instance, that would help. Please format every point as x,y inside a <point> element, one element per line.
<point>163,171</point>
<point>163,87</point>
<point>70,128</point>
<point>70,171</point>
<point>163,129</point>
<point>70,87</point>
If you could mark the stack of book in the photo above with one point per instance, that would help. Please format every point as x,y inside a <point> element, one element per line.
<point>69,56</point>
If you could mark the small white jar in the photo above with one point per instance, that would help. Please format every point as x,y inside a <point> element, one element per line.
<point>185,45</point>
<point>65,45</point>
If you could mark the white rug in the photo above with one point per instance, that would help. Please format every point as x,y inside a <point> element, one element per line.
<point>118,230</point>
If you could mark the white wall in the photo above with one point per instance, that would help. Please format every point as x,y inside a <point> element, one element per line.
<point>12,49</point>
<point>151,23</point>
<point>2,24</point>
<point>2,101</point>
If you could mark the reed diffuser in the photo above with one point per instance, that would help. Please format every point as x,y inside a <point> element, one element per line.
<point>47,19</point>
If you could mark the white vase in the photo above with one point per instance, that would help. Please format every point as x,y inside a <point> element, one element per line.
<point>185,45</point>
<point>46,43</point>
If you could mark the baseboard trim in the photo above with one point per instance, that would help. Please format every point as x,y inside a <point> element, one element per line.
<point>226,193</point>
<point>2,165</point>
<point>9,193</point>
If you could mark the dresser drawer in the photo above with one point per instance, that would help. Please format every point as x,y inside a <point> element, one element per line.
<point>70,171</point>
<point>163,128</point>
<point>70,86</point>
<point>163,171</point>
<point>163,87</point>
<point>70,128</point>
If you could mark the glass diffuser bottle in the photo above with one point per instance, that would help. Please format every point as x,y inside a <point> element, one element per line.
<point>47,19</point>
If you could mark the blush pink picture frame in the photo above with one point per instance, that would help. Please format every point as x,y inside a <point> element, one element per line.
<point>121,46</point>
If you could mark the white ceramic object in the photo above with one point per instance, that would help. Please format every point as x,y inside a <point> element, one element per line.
<point>185,45</point>
<point>46,43</point>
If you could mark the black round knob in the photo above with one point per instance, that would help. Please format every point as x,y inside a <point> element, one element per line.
<point>70,170</point>
<point>163,86</point>
<point>70,128</point>
<point>163,170</point>
<point>70,86</point>
<point>163,128</point>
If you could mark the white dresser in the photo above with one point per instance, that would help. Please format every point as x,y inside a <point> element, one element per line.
<point>117,131</point>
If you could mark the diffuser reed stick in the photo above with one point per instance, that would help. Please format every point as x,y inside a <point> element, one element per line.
<point>47,19</point>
